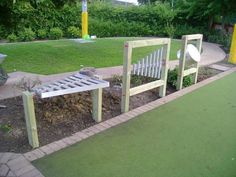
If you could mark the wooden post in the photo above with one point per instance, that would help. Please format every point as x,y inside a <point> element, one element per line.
<point>165,67</point>
<point>30,119</point>
<point>97,103</point>
<point>199,47</point>
<point>126,78</point>
<point>182,63</point>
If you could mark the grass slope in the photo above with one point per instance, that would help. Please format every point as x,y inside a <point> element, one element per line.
<point>64,55</point>
<point>191,136</point>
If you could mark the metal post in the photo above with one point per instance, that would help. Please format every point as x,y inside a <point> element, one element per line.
<point>232,56</point>
<point>84,19</point>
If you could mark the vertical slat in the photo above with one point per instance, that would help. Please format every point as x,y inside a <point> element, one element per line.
<point>143,65</point>
<point>126,78</point>
<point>153,64</point>
<point>30,119</point>
<point>150,65</point>
<point>199,47</point>
<point>134,68</point>
<point>146,66</point>
<point>139,67</point>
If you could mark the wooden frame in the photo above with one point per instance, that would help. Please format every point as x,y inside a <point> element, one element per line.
<point>62,87</point>
<point>194,69</point>
<point>126,91</point>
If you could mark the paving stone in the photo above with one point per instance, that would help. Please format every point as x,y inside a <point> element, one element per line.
<point>61,143</point>
<point>104,124</point>
<point>14,156</point>
<point>38,153</point>
<point>4,169</point>
<point>17,163</point>
<point>219,67</point>
<point>5,157</point>
<point>31,173</point>
<point>24,170</point>
<point>54,146</point>
<point>100,127</point>
<point>94,130</point>
<point>30,156</point>
<point>81,134</point>
<point>46,149</point>
<point>69,140</point>
<point>11,174</point>
<point>88,132</point>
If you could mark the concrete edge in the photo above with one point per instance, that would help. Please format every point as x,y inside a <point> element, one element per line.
<point>100,127</point>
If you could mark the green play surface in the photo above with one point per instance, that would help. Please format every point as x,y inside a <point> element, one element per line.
<point>193,136</point>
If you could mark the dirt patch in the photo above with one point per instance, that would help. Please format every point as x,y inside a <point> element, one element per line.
<point>62,116</point>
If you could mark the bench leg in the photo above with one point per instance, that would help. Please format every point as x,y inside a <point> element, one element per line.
<point>97,104</point>
<point>30,119</point>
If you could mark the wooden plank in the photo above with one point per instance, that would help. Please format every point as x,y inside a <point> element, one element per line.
<point>126,77</point>
<point>190,71</point>
<point>182,63</point>
<point>148,42</point>
<point>68,90</point>
<point>193,36</point>
<point>30,119</point>
<point>164,69</point>
<point>145,87</point>
<point>199,46</point>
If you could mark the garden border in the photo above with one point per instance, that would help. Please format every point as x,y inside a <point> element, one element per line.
<point>86,133</point>
<point>19,164</point>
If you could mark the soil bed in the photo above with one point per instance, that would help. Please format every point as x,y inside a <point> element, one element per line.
<point>62,116</point>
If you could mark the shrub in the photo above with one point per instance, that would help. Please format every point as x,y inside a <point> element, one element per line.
<point>73,32</point>
<point>55,33</point>
<point>185,30</point>
<point>12,38</point>
<point>42,34</point>
<point>169,30</point>
<point>27,35</point>
<point>220,38</point>
<point>172,78</point>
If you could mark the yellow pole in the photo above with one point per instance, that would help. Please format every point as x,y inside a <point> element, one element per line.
<point>232,55</point>
<point>84,19</point>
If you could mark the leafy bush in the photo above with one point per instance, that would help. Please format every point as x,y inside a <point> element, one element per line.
<point>172,78</point>
<point>220,38</point>
<point>73,32</point>
<point>169,30</point>
<point>42,34</point>
<point>186,29</point>
<point>55,33</point>
<point>12,38</point>
<point>27,35</point>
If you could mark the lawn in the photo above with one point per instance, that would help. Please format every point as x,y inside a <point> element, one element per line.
<point>52,57</point>
<point>192,136</point>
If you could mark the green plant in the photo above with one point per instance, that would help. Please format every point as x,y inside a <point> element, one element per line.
<point>220,38</point>
<point>42,34</point>
<point>5,128</point>
<point>12,38</point>
<point>169,30</point>
<point>27,35</point>
<point>73,32</point>
<point>55,33</point>
<point>172,78</point>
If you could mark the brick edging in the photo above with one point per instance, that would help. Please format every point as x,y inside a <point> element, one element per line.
<point>84,134</point>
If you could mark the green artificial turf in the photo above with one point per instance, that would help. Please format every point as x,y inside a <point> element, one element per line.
<point>52,57</point>
<point>193,136</point>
